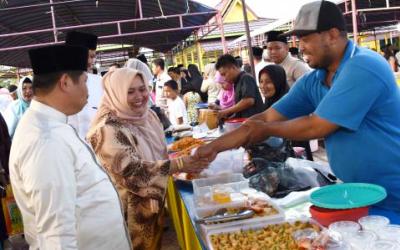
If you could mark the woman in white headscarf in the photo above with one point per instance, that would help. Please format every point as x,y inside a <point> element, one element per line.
<point>17,108</point>
<point>209,85</point>
<point>140,66</point>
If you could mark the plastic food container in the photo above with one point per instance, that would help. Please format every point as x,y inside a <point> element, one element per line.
<point>345,228</point>
<point>374,223</point>
<point>275,218</point>
<point>326,216</point>
<point>384,245</point>
<point>390,232</point>
<point>233,124</point>
<point>245,228</point>
<point>223,191</point>
<point>235,182</point>
<point>362,239</point>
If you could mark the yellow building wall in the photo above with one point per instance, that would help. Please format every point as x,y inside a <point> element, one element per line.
<point>236,14</point>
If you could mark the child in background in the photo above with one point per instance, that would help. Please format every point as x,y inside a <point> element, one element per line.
<point>226,97</point>
<point>191,99</point>
<point>176,107</point>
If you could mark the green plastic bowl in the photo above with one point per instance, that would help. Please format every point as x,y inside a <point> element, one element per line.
<point>348,195</point>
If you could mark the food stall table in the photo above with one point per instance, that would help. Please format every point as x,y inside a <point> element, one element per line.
<point>180,204</point>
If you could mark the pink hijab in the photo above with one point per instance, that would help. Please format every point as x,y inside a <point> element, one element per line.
<point>146,126</point>
<point>226,97</point>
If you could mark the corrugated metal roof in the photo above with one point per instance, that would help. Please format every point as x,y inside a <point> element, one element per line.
<point>238,27</point>
<point>83,12</point>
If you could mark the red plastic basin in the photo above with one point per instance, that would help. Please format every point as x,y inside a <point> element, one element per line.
<point>327,216</point>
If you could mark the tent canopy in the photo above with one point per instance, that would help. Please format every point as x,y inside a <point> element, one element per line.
<point>145,23</point>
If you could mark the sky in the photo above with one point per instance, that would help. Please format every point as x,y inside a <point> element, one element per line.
<point>270,8</point>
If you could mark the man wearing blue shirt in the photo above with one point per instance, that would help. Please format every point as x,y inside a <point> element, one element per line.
<point>350,99</point>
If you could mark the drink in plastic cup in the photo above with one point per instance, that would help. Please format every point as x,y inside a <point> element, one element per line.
<point>390,232</point>
<point>345,228</point>
<point>373,223</point>
<point>384,245</point>
<point>362,239</point>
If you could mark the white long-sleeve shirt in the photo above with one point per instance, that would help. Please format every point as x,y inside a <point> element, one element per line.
<point>66,199</point>
<point>82,120</point>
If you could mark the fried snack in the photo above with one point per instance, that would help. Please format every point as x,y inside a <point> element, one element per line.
<point>185,143</point>
<point>277,237</point>
<point>188,151</point>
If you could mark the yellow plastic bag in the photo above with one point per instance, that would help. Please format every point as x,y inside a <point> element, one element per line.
<point>12,215</point>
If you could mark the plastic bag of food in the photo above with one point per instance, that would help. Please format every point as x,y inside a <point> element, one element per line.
<point>278,179</point>
<point>230,161</point>
<point>12,215</point>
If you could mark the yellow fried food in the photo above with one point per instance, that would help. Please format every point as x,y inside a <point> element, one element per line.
<point>185,143</point>
<point>278,236</point>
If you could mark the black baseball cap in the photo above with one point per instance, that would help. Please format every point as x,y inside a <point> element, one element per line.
<point>316,17</point>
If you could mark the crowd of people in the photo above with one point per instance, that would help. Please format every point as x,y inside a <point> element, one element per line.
<point>88,161</point>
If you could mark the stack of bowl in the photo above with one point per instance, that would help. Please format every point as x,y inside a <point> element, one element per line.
<point>344,202</point>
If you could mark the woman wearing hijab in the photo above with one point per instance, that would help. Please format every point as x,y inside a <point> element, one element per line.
<point>209,85</point>
<point>17,108</point>
<point>273,84</point>
<point>128,139</point>
<point>226,96</point>
<point>196,80</point>
<point>138,65</point>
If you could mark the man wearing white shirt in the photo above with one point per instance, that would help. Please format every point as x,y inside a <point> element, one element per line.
<point>158,66</point>
<point>259,62</point>
<point>81,121</point>
<point>66,199</point>
<point>278,51</point>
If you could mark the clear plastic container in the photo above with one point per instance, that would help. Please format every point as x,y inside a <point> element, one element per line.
<point>345,228</point>
<point>384,245</point>
<point>223,191</point>
<point>362,239</point>
<point>373,222</point>
<point>390,232</point>
<point>203,188</point>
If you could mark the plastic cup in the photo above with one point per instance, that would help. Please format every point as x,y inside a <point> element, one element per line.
<point>362,239</point>
<point>373,223</point>
<point>345,228</point>
<point>390,232</point>
<point>384,245</point>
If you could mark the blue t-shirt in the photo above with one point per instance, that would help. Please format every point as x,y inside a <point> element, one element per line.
<point>364,101</point>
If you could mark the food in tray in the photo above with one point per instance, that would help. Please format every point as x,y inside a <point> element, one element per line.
<point>186,143</point>
<point>278,236</point>
<point>186,176</point>
<point>260,207</point>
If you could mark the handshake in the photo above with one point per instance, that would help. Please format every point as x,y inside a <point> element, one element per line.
<point>195,163</point>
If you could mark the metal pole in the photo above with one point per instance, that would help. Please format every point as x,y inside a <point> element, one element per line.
<point>140,8</point>
<point>102,37</point>
<point>246,25</point>
<point>41,5</point>
<point>354,16</point>
<point>221,28</point>
<point>199,54</point>
<point>376,44</point>
<point>375,9</point>
<point>53,20</point>
<point>106,23</point>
